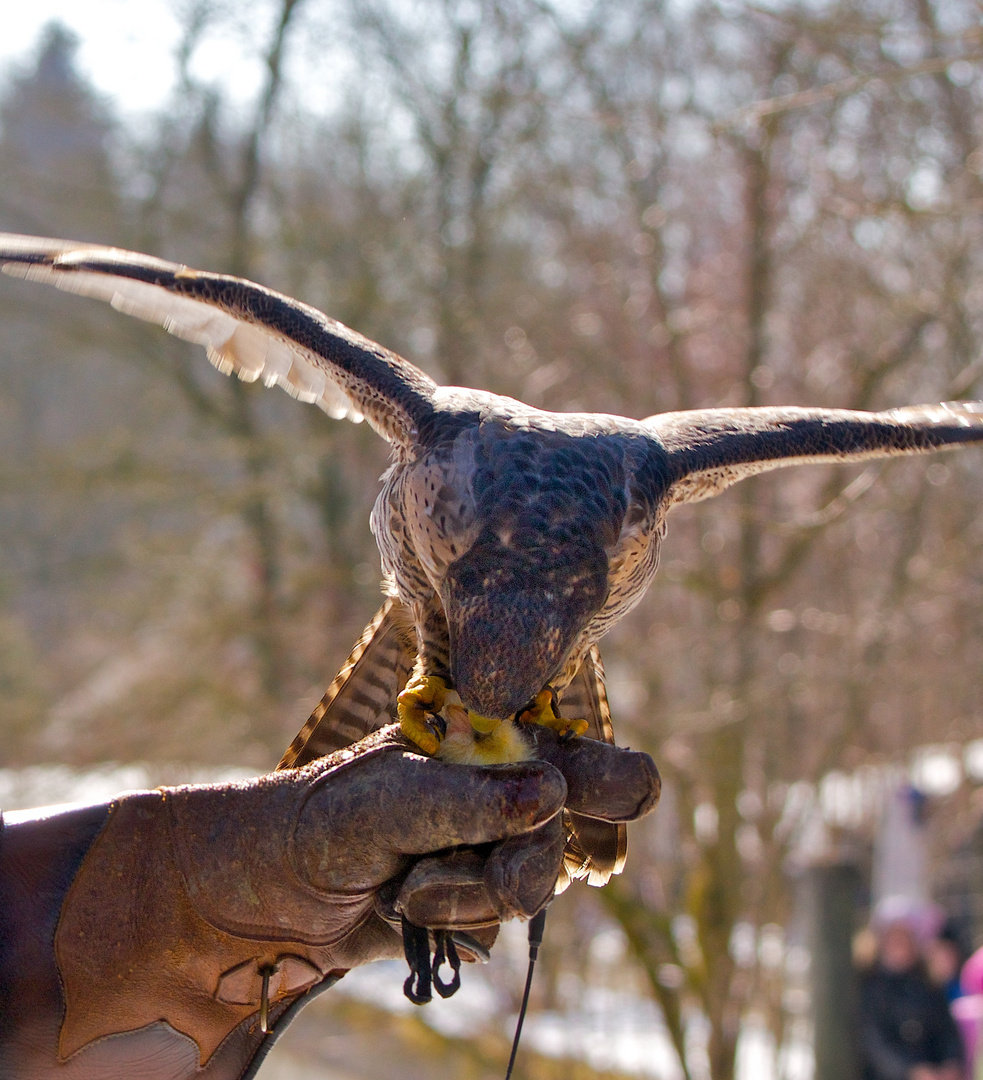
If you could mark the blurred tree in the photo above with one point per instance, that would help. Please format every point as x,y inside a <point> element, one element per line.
<point>623,205</point>
<point>56,171</point>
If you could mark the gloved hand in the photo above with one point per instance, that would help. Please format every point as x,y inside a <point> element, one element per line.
<point>157,915</point>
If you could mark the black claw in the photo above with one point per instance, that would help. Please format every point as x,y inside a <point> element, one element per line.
<point>472,944</point>
<point>438,725</point>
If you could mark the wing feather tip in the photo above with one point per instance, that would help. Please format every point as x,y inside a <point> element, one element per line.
<point>16,269</point>
<point>223,363</point>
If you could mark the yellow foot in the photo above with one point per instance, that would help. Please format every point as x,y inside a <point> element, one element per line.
<point>542,711</point>
<point>417,706</point>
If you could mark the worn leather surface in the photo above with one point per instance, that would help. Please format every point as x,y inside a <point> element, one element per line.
<point>37,863</point>
<point>151,955</point>
<point>218,883</point>
<point>171,902</point>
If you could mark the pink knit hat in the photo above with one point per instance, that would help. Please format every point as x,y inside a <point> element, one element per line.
<point>971,979</point>
<point>923,919</point>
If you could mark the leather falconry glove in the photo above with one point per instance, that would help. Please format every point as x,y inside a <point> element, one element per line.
<point>136,936</point>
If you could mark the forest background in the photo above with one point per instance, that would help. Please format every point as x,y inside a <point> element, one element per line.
<point>615,205</point>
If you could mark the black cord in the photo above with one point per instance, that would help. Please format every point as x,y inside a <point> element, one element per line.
<point>536,926</point>
<point>424,975</point>
<point>416,946</point>
<point>446,949</point>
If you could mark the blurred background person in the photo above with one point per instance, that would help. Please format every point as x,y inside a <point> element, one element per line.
<point>944,956</point>
<point>906,1031</point>
<point>968,1012</point>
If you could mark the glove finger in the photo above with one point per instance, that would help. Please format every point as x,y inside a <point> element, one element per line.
<point>356,829</point>
<point>603,781</point>
<point>463,891</point>
<point>448,892</point>
<point>521,872</point>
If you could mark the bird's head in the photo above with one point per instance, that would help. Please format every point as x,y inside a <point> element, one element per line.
<point>515,610</point>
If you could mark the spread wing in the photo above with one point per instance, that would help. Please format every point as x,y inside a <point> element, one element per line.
<point>710,449</point>
<point>362,698</point>
<point>247,329</point>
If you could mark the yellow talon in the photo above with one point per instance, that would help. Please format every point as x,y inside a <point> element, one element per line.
<point>433,718</point>
<point>542,712</point>
<point>484,725</point>
<point>424,695</point>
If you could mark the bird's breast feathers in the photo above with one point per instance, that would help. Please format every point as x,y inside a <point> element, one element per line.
<point>530,494</point>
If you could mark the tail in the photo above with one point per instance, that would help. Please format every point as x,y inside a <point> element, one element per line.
<point>595,850</point>
<point>362,696</point>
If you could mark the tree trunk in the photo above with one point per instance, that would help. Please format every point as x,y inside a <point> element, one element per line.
<point>831,893</point>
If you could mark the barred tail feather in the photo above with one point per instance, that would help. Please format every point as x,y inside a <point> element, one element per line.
<point>362,696</point>
<point>595,850</point>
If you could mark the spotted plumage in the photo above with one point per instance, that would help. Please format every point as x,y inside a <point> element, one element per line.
<point>513,537</point>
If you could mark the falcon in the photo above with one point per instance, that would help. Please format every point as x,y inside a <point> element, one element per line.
<point>511,538</point>
<point>363,697</point>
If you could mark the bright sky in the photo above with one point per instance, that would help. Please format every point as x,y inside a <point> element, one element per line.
<point>126,48</point>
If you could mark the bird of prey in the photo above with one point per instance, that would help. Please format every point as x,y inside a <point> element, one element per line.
<point>511,537</point>
<point>363,697</point>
